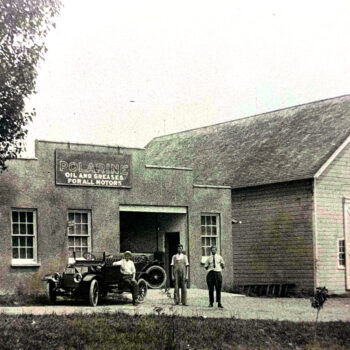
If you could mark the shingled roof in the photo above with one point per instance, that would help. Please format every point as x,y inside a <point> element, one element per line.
<point>283,145</point>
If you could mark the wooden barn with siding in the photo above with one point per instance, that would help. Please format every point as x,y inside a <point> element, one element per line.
<point>289,173</point>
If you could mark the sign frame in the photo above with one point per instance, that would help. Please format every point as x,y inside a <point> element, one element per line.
<point>92,169</point>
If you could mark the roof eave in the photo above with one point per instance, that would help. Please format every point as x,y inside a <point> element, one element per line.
<point>300,178</point>
<point>331,158</point>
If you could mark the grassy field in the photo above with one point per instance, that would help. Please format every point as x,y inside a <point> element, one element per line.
<point>121,331</point>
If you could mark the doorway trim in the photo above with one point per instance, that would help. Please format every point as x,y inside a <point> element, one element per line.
<point>153,209</point>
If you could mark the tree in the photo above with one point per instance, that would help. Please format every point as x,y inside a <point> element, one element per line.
<point>24,25</point>
<point>318,301</point>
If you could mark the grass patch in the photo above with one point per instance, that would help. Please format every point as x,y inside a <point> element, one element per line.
<point>121,331</point>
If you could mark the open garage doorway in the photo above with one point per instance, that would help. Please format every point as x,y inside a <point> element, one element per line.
<point>172,239</point>
<point>145,231</point>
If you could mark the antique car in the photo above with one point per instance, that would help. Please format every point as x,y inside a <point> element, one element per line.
<point>95,276</point>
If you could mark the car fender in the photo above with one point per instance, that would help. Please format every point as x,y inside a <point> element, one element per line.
<point>89,277</point>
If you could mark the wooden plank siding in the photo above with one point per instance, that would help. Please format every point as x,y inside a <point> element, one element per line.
<point>274,243</point>
<point>331,188</point>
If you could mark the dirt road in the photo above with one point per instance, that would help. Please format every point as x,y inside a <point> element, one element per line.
<point>292,309</point>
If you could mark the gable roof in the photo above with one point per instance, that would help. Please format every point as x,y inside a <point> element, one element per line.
<point>283,145</point>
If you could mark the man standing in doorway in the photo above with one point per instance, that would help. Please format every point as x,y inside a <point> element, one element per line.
<point>128,273</point>
<point>214,265</point>
<point>179,274</point>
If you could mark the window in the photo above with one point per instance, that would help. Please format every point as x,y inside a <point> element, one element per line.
<point>79,232</point>
<point>23,231</point>
<point>209,232</point>
<point>341,253</point>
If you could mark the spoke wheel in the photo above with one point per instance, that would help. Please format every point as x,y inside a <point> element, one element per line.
<point>156,276</point>
<point>93,293</point>
<point>50,292</point>
<point>142,290</point>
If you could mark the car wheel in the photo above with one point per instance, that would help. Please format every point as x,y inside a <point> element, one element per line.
<point>142,290</point>
<point>156,276</point>
<point>93,293</point>
<point>50,292</point>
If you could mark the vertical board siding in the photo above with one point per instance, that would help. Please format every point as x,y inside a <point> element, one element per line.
<point>274,243</point>
<point>331,188</point>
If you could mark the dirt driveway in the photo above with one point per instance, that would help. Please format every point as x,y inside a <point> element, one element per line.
<point>292,309</point>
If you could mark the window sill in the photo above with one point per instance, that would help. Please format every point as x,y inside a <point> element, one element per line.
<point>25,264</point>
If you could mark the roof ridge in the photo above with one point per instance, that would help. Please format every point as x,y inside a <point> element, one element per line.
<point>250,116</point>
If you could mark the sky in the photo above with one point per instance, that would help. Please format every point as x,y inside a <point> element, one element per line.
<point>124,72</point>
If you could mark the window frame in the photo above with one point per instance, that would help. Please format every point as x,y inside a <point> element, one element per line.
<point>342,267</point>
<point>26,261</point>
<point>217,236</point>
<point>89,235</point>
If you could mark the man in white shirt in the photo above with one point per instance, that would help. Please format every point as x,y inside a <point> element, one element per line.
<point>128,272</point>
<point>214,265</point>
<point>179,273</point>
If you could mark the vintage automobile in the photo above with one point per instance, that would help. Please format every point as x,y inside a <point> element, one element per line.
<point>95,276</point>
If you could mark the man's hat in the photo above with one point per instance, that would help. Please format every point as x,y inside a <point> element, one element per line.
<point>128,252</point>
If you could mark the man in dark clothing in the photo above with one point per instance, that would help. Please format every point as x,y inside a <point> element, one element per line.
<point>214,265</point>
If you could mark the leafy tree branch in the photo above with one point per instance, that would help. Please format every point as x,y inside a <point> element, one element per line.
<point>24,25</point>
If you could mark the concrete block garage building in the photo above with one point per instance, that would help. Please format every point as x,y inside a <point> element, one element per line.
<point>75,197</point>
<point>284,174</point>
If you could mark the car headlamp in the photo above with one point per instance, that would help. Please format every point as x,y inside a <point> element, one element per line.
<point>77,277</point>
<point>56,277</point>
